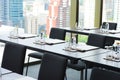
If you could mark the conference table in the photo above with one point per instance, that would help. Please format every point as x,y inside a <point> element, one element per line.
<point>114,34</point>
<point>9,75</point>
<point>87,56</point>
<point>100,60</point>
<point>55,48</point>
<point>97,59</point>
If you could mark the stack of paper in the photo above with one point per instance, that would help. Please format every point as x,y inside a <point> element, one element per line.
<point>23,36</point>
<point>85,47</point>
<point>53,41</point>
<point>49,41</point>
<point>113,31</point>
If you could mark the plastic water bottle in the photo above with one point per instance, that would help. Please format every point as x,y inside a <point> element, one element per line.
<point>74,41</point>
<point>118,48</point>
<point>106,27</point>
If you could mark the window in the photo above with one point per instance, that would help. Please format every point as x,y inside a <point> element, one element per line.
<point>111,11</point>
<point>86,13</point>
<point>32,14</point>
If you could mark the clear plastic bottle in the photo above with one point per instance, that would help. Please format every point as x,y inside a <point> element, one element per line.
<point>118,47</point>
<point>106,27</point>
<point>118,51</point>
<point>74,41</point>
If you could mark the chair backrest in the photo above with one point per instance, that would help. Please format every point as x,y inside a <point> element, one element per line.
<point>96,40</point>
<point>13,57</point>
<point>53,67</point>
<point>57,33</point>
<point>112,26</point>
<point>99,74</point>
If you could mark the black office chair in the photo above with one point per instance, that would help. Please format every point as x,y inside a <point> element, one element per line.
<point>53,67</point>
<point>99,74</point>
<point>112,26</point>
<point>77,65</point>
<point>13,57</point>
<point>96,40</point>
<point>55,33</point>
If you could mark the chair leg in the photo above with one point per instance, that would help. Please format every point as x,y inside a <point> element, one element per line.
<point>85,73</point>
<point>65,76</point>
<point>81,77</point>
<point>27,66</point>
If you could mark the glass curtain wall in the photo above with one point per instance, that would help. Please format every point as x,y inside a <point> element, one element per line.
<point>111,11</point>
<point>33,14</point>
<point>11,12</point>
<point>86,13</point>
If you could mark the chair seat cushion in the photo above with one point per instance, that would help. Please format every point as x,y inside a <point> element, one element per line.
<point>37,55</point>
<point>78,66</point>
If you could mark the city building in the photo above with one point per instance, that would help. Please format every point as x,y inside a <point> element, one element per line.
<point>11,12</point>
<point>59,14</point>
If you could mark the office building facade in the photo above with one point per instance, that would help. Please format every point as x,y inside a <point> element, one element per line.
<point>11,12</point>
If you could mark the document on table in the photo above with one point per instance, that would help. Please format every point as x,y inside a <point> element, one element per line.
<point>84,47</point>
<point>114,31</point>
<point>24,36</point>
<point>53,41</point>
<point>49,41</point>
<point>90,28</point>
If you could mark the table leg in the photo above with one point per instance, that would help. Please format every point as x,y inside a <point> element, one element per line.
<point>85,72</point>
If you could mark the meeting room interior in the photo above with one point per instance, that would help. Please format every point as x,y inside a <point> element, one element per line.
<point>60,39</point>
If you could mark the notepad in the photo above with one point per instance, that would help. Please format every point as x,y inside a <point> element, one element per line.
<point>84,47</point>
<point>49,41</point>
<point>70,49</point>
<point>53,41</point>
<point>90,28</point>
<point>13,37</point>
<point>113,31</point>
<point>23,36</point>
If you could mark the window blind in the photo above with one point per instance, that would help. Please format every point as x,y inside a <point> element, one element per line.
<point>86,13</point>
<point>111,11</point>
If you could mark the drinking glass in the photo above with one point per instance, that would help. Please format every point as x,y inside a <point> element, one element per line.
<point>14,33</point>
<point>11,34</point>
<point>68,40</point>
<point>37,38</point>
<point>111,53</point>
<point>117,49</point>
<point>74,39</point>
<point>106,27</point>
<point>42,35</point>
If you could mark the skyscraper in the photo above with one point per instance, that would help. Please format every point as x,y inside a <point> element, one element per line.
<point>59,14</point>
<point>11,11</point>
<point>1,10</point>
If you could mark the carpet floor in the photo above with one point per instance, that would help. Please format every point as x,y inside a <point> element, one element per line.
<point>72,74</point>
